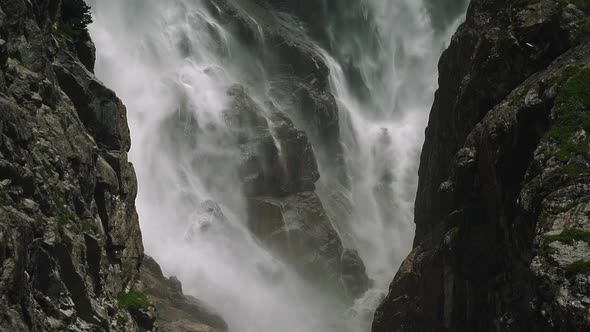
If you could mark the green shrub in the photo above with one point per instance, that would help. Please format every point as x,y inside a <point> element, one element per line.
<point>578,267</point>
<point>76,17</point>
<point>133,300</point>
<point>568,236</point>
<point>583,5</point>
<point>585,199</point>
<point>573,102</point>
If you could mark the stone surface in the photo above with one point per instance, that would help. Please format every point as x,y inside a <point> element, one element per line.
<point>70,240</point>
<point>276,158</point>
<point>175,311</point>
<point>501,171</point>
<point>297,228</point>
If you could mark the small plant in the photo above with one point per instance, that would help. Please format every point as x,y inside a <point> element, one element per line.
<point>133,300</point>
<point>585,199</point>
<point>88,226</point>
<point>76,17</point>
<point>568,236</point>
<point>550,288</point>
<point>583,5</point>
<point>573,102</point>
<point>578,267</point>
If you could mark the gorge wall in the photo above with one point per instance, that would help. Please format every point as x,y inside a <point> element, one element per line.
<point>502,239</point>
<point>70,242</point>
<point>276,143</point>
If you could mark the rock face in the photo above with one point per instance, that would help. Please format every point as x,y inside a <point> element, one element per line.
<point>70,242</point>
<point>175,311</point>
<point>279,161</point>
<point>298,229</point>
<point>501,211</point>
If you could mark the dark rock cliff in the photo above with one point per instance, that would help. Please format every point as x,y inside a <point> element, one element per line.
<point>70,243</point>
<point>503,228</point>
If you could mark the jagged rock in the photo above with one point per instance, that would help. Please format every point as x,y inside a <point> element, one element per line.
<point>297,228</point>
<point>176,311</point>
<point>300,80</point>
<point>277,159</point>
<point>279,165</point>
<point>503,180</point>
<point>70,241</point>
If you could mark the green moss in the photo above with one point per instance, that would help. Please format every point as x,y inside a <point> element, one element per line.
<point>89,227</point>
<point>573,204</point>
<point>519,95</point>
<point>583,5</point>
<point>550,288</point>
<point>568,236</point>
<point>545,250</point>
<point>574,169</point>
<point>133,300</point>
<point>454,232</point>
<point>547,308</point>
<point>583,30</point>
<point>578,267</point>
<point>564,75</point>
<point>573,102</point>
<point>65,216</point>
<point>62,220</point>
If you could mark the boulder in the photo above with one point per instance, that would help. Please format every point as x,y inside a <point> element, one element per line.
<point>297,229</point>
<point>176,311</point>
<point>276,158</point>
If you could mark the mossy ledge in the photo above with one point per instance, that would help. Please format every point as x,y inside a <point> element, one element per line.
<point>133,300</point>
<point>573,103</point>
<point>569,236</point>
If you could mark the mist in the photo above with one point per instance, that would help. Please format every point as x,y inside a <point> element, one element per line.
<point>172,62</point>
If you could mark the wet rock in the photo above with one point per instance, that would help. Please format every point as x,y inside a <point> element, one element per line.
<point>298,229</point>
<point>70,241</point>
<point>277,159</point>
<point>501,251</point>
<point>176,311</point>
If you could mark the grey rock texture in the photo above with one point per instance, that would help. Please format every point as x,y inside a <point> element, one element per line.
<point>298,229</point>
<point>276,158</point>
<point>281,149</point>
<point>70,241</point>
<point>298,73</point>
<point>175,311</point>
<point>501,240</point>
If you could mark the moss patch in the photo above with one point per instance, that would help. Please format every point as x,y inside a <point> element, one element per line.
<point>568,236</point>
<point>573,102</point>
<point>133,300</point>
<point>578,267</point>
<point>88,226</point>
<point>581,4</point>
<point>549,287</point>
<point>573,204</point>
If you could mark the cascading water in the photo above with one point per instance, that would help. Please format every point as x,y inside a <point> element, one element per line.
<point>172,63</point>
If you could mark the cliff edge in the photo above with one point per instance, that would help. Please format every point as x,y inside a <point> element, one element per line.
<point>70,242</point>
<point>502,213</point>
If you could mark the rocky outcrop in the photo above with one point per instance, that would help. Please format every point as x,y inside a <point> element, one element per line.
<point>278,169</point>
<point>297,72</point>
<point>278,164</point>
<point>70,242</point>
<point>276,158</point>
<point>297,228</point>
<point>175,311</point>
<point>501,241</point>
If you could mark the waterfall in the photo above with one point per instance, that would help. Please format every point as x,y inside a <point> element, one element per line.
<point>172,62</point>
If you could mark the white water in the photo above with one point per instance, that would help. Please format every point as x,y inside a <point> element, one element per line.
<point>171,62</point>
